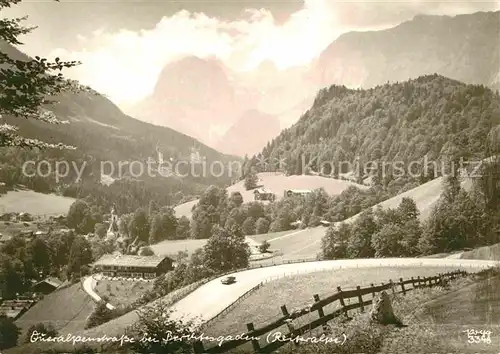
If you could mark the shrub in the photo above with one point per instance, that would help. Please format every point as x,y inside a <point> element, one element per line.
<point>47,329</point>
<point>264,247</point>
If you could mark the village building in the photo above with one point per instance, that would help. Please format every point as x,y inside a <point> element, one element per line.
<point>15,308</point>
<point>325,223</point>
<point>58,218</point>
<point>296,192</point>
<point>263,194</point>
<point>4,239</point>
<point>131,266</point>
<point>46,286</point>
<point>27,233</point>
<point>24,217</point>
<point>8,217</point>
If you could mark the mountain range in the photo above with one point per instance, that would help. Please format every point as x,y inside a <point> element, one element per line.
<point>205,99</point>
<point>463,47</point>
<point>98,127</point>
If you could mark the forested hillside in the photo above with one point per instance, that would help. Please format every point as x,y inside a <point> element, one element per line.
<point>100,131</point>
<point>429,116</point>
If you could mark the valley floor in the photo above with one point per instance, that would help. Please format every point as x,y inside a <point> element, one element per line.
<point>34,203</point>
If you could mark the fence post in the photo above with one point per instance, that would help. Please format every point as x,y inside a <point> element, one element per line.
<point>413,282</point>
<point>392,287</point>
<point>284,311</point>
<point>373,292</point>
<point>341,299</point>
<point>321,312</point>
<point>360,298</point>
<point>198,347</point>
<point>418,281</point>
<point>402,286</point>
<point>441,279</point>
<point>255,343</point>
<point>289,323</point>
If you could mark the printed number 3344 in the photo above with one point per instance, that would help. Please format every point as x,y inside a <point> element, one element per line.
<point>478,336</point>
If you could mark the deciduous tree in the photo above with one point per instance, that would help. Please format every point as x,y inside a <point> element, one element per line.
<point>28,85</point>
<point>226,250</point>
<point>334,243</point>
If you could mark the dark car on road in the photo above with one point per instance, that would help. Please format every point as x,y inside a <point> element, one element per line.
<point>228,280</point>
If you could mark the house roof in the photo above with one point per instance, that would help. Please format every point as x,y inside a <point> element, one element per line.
<point>10,313</point>
<point>51,281</point>
<point>129,260</point>
<point>13,308</point>
<point>261,191</point>
<point>17,303</point>
<point>5,238</point>
<point>299,190</point>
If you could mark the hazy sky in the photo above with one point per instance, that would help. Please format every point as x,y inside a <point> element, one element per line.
<point>124,44</point>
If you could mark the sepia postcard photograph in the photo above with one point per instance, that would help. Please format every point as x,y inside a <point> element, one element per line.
<point>249,176</point>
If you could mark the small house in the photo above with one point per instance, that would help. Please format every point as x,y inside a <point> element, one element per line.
<point>59,218</point>
<point>15,308</point>
<point>296,192</point>
<point>46,286</point>
<point>27,233</point>
<point>24,217</point>
<point>263,194</point>
<point>4,239</point>
<point>7,217</point>
<point>131,266</point>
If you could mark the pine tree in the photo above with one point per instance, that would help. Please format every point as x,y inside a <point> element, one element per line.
<point>251,180</point>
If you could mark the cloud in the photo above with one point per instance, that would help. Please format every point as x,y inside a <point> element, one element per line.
<point>125,64</point>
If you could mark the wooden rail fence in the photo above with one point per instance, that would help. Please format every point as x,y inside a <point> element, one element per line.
<point>194,286</point>
<point>398,287</point>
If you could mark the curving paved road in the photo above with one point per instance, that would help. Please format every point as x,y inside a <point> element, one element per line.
<point>88,285</point>
<point>210,299</point>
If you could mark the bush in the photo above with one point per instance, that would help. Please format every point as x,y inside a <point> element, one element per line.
<point>261,226</point>
<point>47,329</point>
<point>9,333</point>
<point>146,251</point>
<point>100,315</point>
<point>84,270</point>
<point>150,325</point>
<point>264,247</point>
